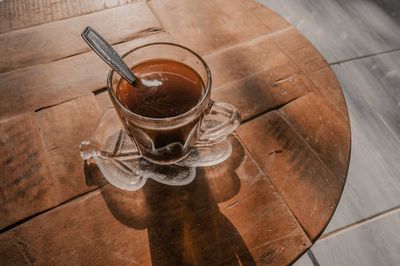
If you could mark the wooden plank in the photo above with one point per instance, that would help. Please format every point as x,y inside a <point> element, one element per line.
<point>237,67</point>
<point>329,88</point>
<point>62,129</point>
<point>21,14</point>
<point>373,185</point>
<point>84,73</point>
<point>300,51</point>
<point>264,91</point>
<point>26,184</point>
<point>51,41</point>
<point>327,133</point>
<point>314,66</point>
<point>214,24</point>
<point>323,113</point>
<point>342,30</point>
<point>374,242</point>
<point>306,184</point>
<point>245,59</point>
<point>49,84</point>
<point>75,234</point>
<point>371,94</point>
<point>229,214</point>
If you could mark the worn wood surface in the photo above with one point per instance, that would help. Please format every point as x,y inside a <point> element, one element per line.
<point>49,84</point>
<point>266,210</point>
<point>323,129</point>
<point>26,181</point>
<point>349,31</point>
<point>47,42</point>
<point>26,13</point>
<point>343,29</point>
<point>306,184</point>
<point>208,222</point>
<point>76,119</point>
<point>225,24</point>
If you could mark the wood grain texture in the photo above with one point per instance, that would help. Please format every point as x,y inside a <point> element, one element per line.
<point>210,221</point>
<point>327,85</point>
<point>322,113</point>
<point>343,29</point>
<point>373,184</point>
<point>314,66</point>
<point>36,87</point>
<point>26,13</point>
<point>231,213</point>
<point>62,129</point>
<point>214,24</point>
<point>237,69</point>
<point>264,91</point>
<point>51,41</point>
<point>375,242</point>
<point>245,59</point>
<point>300,51</point>
<point>26,183</point>
<point>310,190</point>
<point>327,133</point>
<point>251,84</point>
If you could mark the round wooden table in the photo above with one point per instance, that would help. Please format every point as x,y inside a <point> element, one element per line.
<point>266,204</point>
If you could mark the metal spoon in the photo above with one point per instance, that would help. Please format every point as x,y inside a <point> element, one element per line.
<point>103,49</point>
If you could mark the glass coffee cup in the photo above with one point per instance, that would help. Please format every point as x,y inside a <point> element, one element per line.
<point>167,140</point>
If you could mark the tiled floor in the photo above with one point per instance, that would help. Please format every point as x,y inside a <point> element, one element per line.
<point>361,39</point>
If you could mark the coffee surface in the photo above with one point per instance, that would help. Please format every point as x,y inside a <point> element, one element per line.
<point>168,88</point>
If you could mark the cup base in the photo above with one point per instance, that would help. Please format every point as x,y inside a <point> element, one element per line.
<point>121,164</point>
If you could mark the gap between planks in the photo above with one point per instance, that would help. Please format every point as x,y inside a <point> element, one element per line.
<point>73,199</point>
<point>274,109</point>
<point>249,42</point>
<point>137,35</point>
<point>154,31</point>
<point>265,36</point>
<point>360,223</point>
<point>364,56</point>
<point>77,197</point>
<point>14,28</point>
<point>140,34</point>
<point>269,182</point>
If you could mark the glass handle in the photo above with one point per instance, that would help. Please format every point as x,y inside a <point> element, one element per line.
<point>89,149</point>
<point>221,121</point>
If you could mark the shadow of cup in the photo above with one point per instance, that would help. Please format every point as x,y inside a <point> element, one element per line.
<point>184,223</point>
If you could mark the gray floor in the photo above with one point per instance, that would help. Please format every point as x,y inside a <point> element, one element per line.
<point>361,39</point>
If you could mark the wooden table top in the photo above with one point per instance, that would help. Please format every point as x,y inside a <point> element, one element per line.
<point>267,204</point>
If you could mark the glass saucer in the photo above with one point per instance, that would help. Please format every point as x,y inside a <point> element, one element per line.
<point>121,164</point>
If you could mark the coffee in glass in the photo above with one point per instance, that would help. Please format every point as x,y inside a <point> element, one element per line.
<point>164,112</point>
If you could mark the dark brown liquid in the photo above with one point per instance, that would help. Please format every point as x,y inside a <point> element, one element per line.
<point>179,88</point>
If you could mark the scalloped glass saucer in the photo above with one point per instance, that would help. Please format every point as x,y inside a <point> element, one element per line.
<point>120,162</point>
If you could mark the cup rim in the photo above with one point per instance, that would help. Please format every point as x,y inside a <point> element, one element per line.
<point>195,109</point>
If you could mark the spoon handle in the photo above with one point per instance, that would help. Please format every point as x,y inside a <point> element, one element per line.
<point>103,49</point>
